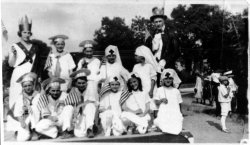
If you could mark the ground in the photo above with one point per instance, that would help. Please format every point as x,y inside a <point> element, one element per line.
<point>202,123</point>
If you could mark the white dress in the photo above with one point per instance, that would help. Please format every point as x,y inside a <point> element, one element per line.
<point>199,88</point>
<point>19,70</point>
<point>169,118</point>
<point>94,67</point>
<point>146,73</point>
<point>137,100</point>
<point>67,64</point>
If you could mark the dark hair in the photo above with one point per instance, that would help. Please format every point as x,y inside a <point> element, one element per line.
<point>19,33</point>
<point>139,84</point>
<point>75,80</point>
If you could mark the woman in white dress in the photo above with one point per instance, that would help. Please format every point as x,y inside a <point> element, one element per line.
<point>21,56</point>
<point>169,118</point>
<point>92,64</point>
<point>198,89</point>
<point>61,63</point>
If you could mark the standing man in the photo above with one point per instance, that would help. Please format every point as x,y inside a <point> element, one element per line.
<point>163,44</point>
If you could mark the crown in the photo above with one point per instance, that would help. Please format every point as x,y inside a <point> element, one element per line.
<point>25,24</point>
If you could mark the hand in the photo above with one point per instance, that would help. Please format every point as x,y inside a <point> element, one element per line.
<point>142,115</point>
<point>53,118</point>
<point>104,59</point>
<point>150,94</point>
<point>139,111</point>
<point>23,124</point>
<point>164,100</point>
<point>13,50</point>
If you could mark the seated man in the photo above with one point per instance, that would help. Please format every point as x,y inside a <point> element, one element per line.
<point>26,115</point>
<point>83,107</point>
<point>110,109</point>
<point>54,116</point>
<point>136,106</point>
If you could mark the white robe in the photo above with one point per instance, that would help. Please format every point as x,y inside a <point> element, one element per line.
<point>169,118</point>
<point>16,88</point>
<point>67,64</point>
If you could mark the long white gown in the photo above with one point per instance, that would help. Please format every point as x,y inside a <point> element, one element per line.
<point>19,70</point>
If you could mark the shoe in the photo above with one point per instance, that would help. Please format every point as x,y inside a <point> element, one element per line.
<point>90,133</point>
<point>66,134</point>
<point>35,136</point>
<point>226,130</point>
<point>95,129</point>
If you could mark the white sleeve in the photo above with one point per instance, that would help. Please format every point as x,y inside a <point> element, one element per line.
<point>71,62</point>
<point>79,65</point>
<point>153,74</point>
<point>158,94</point>
<point>179,98</point>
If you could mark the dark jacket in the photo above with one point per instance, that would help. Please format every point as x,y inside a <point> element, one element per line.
<point>170,49</point>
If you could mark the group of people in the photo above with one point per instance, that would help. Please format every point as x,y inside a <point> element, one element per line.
<point>71,103</point>
<point>218,87</point>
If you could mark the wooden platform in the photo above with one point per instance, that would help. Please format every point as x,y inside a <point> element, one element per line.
<point>153,137</point>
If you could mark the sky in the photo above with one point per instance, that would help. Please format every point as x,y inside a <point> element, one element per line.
<point>80,18</point>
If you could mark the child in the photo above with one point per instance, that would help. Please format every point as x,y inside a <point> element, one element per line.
<point>60,63</point>
<point>169,118</point>
<point>111,110</point>
<point>25,115</point>
<point>136,106</point>
<point>224,97</point>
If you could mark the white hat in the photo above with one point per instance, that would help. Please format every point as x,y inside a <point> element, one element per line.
<point>114,79</point>
<point>52,82</point>
<point>28,77</point>
<point>80,73</point>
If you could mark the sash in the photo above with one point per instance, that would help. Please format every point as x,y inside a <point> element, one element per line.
<point>29,54</point>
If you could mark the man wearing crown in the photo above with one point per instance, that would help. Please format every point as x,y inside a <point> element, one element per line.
<point>163,44</point>
<point>22,57</point>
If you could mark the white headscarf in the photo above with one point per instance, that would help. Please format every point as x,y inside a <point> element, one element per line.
<point>149,57</point>
<point>173,74</point>
<point>115,50</point>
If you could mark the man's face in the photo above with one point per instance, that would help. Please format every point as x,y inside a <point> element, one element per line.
<point>28,87</point>
<point>55,92</point>
<point>25,35</point>
<point>168,82</point>
<point>81,84</point>
<point>158,23</point>
<point>138,59</point>
<point>59,46</point>
<point>133,82</point>
<point>115,85</point>
<point>226,82</point>
<point>88,51</point>
<point>111,58</point>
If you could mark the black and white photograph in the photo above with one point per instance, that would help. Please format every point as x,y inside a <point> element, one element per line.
<point>124,71</point>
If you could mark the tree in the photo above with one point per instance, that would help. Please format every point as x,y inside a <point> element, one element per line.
<point>114,32</point>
